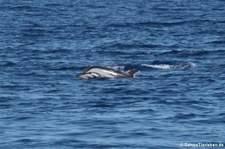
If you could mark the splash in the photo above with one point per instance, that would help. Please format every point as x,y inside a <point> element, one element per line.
<point>170,66</point>
<point>158,66</point>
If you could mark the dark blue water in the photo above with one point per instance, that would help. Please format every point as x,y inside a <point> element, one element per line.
<point>177,97</point>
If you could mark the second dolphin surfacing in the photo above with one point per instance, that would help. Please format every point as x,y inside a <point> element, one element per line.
<point>98,72</point>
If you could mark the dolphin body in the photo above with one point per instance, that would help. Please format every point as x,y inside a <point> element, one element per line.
<point>98,72</point>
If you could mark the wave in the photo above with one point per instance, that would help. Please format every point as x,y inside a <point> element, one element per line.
<point>157,24</point>
<point>129,46</point>
<point>7,64</point>
<point>217,42</point>
<point>187,52</point>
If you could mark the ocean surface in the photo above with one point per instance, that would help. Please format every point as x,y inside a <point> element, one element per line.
<point>177,97</point>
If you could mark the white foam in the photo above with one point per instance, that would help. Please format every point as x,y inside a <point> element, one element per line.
<point>167,66</point>
<point>159,66</point>
<point>192,65</point>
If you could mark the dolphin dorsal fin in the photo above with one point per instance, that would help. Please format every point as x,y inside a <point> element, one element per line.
<point>131,72</point>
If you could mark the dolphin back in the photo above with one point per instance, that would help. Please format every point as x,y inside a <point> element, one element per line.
<point>95,72</point>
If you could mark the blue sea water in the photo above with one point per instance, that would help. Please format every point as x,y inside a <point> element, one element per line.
<point>177,97</point>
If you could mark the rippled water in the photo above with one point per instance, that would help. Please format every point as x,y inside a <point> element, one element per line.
<point>177,97</point>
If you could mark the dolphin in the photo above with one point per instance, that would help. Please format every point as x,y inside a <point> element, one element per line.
<point>97,72</point>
